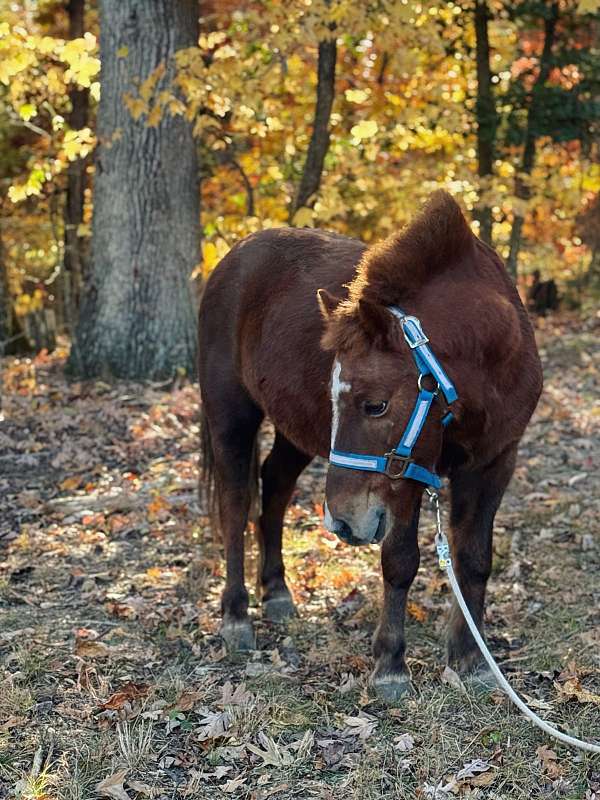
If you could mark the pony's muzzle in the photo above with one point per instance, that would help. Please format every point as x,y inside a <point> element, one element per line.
<point>369,530</point>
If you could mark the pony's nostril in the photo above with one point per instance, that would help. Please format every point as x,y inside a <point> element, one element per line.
<point>343,530</point>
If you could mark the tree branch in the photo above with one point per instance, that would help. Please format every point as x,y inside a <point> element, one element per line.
<point>486,114</point>
<point>250,212</point>
<point>522,190</point>
<point>319,142</point>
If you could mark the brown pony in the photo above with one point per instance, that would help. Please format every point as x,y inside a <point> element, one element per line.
<point>267,348</point>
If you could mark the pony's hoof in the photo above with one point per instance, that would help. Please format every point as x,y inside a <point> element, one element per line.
<point>279,609</point>
<point>238,635</point>
<point>480,681</point>
<point>392,689</point>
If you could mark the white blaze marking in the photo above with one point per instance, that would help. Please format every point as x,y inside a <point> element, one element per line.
<point>337,387</point>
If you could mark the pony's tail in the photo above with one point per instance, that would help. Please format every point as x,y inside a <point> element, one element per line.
<point>208,488</point>
<point>254,483</point>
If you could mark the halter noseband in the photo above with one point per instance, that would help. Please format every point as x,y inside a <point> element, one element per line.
<point>398,462</point>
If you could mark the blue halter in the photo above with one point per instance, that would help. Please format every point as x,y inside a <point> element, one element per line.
<point>398,463</point>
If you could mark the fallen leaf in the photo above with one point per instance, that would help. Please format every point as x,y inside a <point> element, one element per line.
<point>404,743</point>
<point>472,769</point>
<point>483,779</point>
<point>235,697</point>
<point>361,726</point>
<point>271,754</point>
<point>130,691</point>
<point>88,649</point>
<point>450,677</point>
<point>113,786</point>
<point>213,725</point>
<point>573,690</point>
<point>416,611</point>
<point>231,786</point>
<point>138,786</point>
<point>187,700</point>
<point>549,761</point>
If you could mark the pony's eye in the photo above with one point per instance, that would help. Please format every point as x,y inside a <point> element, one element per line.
<point>375,409</point>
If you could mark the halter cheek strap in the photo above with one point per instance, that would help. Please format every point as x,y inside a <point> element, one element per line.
<point>398,463</point>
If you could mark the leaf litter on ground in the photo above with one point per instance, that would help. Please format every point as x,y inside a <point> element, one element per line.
<point>103,533</point>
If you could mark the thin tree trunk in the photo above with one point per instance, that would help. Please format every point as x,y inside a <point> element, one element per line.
<point>486,115</point>
<point>385,60</point>
<point>74,251</point>
<point>138,315</point>
<point>5,309</point>
<point>12,338</point>
<point>522,190</point>
<point>319,141</point>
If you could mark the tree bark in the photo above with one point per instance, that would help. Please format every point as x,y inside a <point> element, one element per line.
<point>138,316</point>
<point>486,115</point>
<point>74,245</point>
<point>522,190</point>
<point>5,309</point>
<point>319,141</point>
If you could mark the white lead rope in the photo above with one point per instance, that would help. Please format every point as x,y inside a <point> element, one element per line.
<point>445,562</point>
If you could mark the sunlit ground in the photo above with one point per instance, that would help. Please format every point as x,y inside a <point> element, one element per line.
<point>112,669</point>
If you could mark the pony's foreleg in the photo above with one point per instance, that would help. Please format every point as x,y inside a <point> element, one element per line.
<point>399,563</point>
<point>233,446</point>
<point>475,497</point>
<point>279,474</point>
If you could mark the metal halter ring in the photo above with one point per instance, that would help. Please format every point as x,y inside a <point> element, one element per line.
<point>436,391</point>
<point>392,457</point>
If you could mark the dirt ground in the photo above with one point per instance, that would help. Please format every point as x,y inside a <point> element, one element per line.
<point>114,681</point>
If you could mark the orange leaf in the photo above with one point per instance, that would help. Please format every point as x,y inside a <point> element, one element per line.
<point>87,649</point>
<point>417,612</point>
<point>70,483</point>
<point>130,691</point>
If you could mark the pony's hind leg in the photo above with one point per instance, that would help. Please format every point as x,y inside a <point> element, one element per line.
<point>233,428</point>
<point>279,474</point>
<point>475,498</point>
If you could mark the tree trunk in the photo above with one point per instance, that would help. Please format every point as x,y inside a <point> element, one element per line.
<point>138,314</point>
<point>74,251</point>
<point>486,115</point>
<point>12,338</point>
<point>319,141</point>
<point>522,190</point>
<point>5,308</point>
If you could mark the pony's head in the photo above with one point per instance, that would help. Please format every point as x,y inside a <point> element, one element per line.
<point>375,383</point>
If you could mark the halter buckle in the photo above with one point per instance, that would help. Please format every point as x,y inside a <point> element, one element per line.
<point>392,457</point>
<point>422,338</point>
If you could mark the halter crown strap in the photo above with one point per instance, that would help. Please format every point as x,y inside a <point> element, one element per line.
<point>425,360</point>
<point>398,463</point>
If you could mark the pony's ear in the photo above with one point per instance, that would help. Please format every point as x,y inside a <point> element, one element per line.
<point>375,319</point>
<point>327,302</point>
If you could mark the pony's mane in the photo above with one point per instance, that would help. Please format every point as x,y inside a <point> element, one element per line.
<point>437,239</point>
<point>393,271</point>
